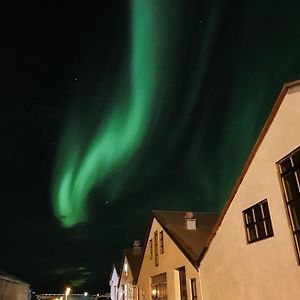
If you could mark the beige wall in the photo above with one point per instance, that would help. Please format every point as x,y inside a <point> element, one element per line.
<point>267,269</point>
<point>13,291</point>
<point>169,261</point>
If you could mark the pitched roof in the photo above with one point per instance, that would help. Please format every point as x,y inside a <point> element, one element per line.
<point>12,278</point>
<point>259,140</point>
<point>115,266</point>
<point>134,260</point>
<point>191,242</point>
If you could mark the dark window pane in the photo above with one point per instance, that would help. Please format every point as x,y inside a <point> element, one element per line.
<point>297,174</point>
<point>269,227</point>
<point>285,165</point>
<point>257,213</point>
<point>295,214</point>
<point>291,186</point>
<point>265,208</point>
<point>194,289</point>
<point>251,233</point>
<point>182,284</point>
<point>297,238</point>
<point>296,158</point>
<point>156,247</point>
<point>261,229</point>
<point>249,216</point>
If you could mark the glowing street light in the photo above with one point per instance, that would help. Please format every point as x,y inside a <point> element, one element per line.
<point>68,290</point>
<point>85,294</point>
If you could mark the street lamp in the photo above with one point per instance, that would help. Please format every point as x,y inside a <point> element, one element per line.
<point>68,290</point>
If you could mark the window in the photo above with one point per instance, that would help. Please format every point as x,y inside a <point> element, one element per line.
<point>258,222</point>
<point>126,269</point>
<point>182,284</point>
<point>156,247</point>
<point>123,292</point>
<point>289,169</point>
<point>194,289</point>
<point>161,240</point>
<point>159,287</point>
<point>151,249</point>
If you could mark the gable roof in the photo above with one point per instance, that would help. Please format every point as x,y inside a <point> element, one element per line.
<point>191,242</point>
<point>134,260</point>
<point>115,266</point>
<point>12,278</point>
<point>259,140</point>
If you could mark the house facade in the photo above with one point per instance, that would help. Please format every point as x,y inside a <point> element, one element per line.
<point>114,282</point>
<point>129,272</point>
<point>255,252</point>
<point>170,259</point>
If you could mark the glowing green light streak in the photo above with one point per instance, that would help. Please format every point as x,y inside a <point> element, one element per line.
<point>82,166</point>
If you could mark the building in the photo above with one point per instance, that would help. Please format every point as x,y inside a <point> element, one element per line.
<point>114,281</point>
<point>175,242</point>
<point>69,297</point>
<point>12,288</point>
<point>254,252</point>
<point>129,272</point>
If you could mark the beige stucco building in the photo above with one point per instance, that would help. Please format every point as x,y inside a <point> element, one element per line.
<point>129,271</point>
<point>175,242</point>
<point>254,253</point>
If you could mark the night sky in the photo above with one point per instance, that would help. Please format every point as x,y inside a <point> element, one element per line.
<point>130,106</point>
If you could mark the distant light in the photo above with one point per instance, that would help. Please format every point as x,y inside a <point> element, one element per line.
<point>85,294</point>
<point>75,78</point>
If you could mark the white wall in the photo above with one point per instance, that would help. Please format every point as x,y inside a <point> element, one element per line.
<point>114,281</point>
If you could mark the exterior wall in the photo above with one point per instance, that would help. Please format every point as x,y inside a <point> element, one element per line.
<point>169,262</point>
<point>266,269</point>
<point>126,280</point>
<point>114,281</point>
<point>10,290</point>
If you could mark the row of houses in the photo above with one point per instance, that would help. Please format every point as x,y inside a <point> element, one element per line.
<point>251,250</point>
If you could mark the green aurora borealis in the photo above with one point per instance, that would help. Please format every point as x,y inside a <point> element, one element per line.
<point>123,108</point>
<point>168,57</point>
<point>86,164</point>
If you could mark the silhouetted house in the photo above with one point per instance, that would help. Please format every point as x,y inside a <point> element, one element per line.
<point>114,281</point>
<point>129,271</point>
<point>255,250</point>
<point>12,288</point>
<point>175,242</point>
